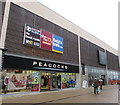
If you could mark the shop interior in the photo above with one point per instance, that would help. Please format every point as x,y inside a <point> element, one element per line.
<point>35,81</point>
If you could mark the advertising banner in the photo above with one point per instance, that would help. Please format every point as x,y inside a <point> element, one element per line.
<point>16,81</point>
<point>42,39</point>
<point>31,36</point>
<point>33,81</point>
<point>35,76</point>
<point>46,40</point>
<point>57,44</point>
<point>84,84</point>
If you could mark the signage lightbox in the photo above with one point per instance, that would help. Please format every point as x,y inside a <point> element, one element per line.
<point>31,36</point>
<point>57,44</point>
<point>42,39</point>
<point>102,57</point>
<point>46,40</point>
<point>32,64</point>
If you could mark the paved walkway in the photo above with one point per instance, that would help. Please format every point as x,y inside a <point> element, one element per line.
<point>109,94</point>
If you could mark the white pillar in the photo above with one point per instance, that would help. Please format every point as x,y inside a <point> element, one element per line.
<point>80,70</point>
<point>106,71</point>
<point>4,25</point>
<point>3,30</point>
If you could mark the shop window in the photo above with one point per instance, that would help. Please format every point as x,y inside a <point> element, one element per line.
<point>19,81</point>
<point>32,81</point>
<point>68,80</point>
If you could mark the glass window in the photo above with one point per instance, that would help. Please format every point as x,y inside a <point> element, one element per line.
<point>69,80</point>
<point>19,81</point>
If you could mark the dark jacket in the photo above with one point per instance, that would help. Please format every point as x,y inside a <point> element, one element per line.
<point>95,83</point>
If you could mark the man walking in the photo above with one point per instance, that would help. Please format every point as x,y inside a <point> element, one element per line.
<point>95,85</point>
<point>100,83</point>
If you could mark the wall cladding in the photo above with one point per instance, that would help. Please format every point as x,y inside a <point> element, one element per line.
<point>2,9</point>
<point>89,53</point>
<point>112,61</point>
<point>18,17</point>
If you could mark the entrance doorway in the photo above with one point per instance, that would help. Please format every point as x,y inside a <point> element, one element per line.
<point>55,81</point>
<point>45,78</point>
<point>103,78</point>
<point>50,81</point>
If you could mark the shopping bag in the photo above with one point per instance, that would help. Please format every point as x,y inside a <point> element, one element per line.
<point>98,89</point>
<point>92,85</point>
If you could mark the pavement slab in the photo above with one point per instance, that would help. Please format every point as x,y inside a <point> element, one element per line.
<point>109,94</point>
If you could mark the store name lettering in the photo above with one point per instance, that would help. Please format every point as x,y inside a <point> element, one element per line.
<point>50,65</point>
<point>47,39</point>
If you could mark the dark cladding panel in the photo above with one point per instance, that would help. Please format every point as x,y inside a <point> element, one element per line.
<point>89,53</point>
<point>44,24</point>
<point>2,9</point>
<point>0,17</point>
<point>18,17</point>
<point>70,40</point>
<point>112,61</point>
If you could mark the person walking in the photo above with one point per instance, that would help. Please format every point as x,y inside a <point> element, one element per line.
<point>95,85</point>
<point>101,83</point>
<point>6,81</point>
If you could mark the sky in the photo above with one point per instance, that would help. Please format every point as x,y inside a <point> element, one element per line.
<point>98,17</point>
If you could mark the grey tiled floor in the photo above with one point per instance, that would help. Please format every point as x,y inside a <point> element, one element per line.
<point>109,94</point>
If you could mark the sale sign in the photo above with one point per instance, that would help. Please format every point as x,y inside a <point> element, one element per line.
<point>46,40</point>
<point>57,44</point>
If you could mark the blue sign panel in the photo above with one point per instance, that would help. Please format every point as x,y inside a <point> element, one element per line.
<point>57,44</point>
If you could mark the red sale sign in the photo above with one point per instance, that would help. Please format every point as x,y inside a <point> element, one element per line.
<point>46,40</point>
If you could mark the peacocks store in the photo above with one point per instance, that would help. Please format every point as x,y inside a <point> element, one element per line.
<point>42,51</point>
<point>38,58</point>
<point>30,75</point>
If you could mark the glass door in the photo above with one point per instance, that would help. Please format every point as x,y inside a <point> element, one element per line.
<point>50,81</point>
<point>53,81</point>
<point>45,81</point>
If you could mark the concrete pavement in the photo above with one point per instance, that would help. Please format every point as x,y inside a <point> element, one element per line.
<point>109,94</point>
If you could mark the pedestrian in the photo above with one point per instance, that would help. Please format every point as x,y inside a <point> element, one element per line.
<point>95,85</point>
<point>6,81</point>
<point>2,78</point>
<point>100,83</point>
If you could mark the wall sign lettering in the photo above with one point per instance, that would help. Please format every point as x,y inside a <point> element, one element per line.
<point>42,39</point>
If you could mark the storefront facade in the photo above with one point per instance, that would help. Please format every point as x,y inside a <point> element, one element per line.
<point>98,63</point>
<point>29,75</point>
<point>39,54</point>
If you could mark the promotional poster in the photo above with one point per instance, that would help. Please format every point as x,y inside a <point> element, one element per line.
<point>16,81</point>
